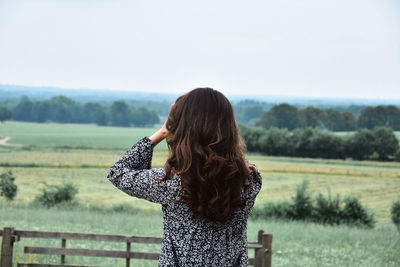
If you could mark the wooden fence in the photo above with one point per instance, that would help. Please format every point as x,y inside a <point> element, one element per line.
<point>262,248</point>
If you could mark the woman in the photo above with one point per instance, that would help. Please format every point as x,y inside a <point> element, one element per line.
<point>206,187</point>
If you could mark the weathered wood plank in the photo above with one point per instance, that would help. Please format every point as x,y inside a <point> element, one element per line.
<point>267,243</point>
<point>252,262</point>
<point>91,253</point>
<point>254,245</point>
<point>51,265</point>
<point>92,237</point>
<point>259,253</point>
<point>7,247</point>
<point>99,237</point>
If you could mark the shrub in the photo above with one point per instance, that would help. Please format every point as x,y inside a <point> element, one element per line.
<point>395,211</point>
<point>327,210</point>
<point>8,188</point>
<point>269,210</point>
<point>57,194</point>
<point>353,213</point>
<point>319,210</point>
<point>274,142</point>
<point>302,206</point>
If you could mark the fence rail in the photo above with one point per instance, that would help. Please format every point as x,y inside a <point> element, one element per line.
<point>262,248</point>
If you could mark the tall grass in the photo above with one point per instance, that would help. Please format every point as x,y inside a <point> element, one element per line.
<point>294,243</point>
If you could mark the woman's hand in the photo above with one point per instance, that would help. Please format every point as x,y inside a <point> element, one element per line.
<point>162,133</point>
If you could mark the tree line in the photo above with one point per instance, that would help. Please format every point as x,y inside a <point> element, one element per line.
<point>379,143</point>
<point>249,112</point>
<point>65,110</point>
<point>290,117</point>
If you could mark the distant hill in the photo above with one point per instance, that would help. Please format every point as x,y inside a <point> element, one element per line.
<point>96,95</point>
<point>81,95</point>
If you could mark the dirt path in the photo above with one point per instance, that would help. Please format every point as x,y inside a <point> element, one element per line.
<point>4,142</point>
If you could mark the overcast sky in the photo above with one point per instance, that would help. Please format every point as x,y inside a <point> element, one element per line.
<point>337,48</point>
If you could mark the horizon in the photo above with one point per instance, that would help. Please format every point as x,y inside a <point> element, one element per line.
<point>289,48</point>
<point>229,95</point>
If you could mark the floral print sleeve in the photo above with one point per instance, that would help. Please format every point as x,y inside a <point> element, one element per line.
<point>133,175</point>
<point>186,240</point>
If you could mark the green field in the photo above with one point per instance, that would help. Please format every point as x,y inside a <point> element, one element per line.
<point>82,154</point>
<point>294,243</point>
<point>48,135</point>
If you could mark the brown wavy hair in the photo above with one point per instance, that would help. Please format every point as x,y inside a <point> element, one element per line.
<point>206,150</point>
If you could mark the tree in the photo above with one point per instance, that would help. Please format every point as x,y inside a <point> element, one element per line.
<point>120,114</point>
<point>65,109</point>
<point>23,111</point>
<point>275,142</point>
<point>5,114</point>
<point>281,116</point>
<point>89,111</point>
<point>311,116</point>
<point>100,117</point>
<point>251,136</point>
<point>42,111</point>
<point>360,145</point>
<point>300,141</point>
<point>393,117</point>
<point>385,142</point>
<point>326,145</point>
<point>142,117</point>
<point>248,113</point>
<point>333,119</point>
<point>348,121</point>
<point>380,116</point>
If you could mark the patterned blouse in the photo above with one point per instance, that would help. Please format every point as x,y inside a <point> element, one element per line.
<point>186,241</point>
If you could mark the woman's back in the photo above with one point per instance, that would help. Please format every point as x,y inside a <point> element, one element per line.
<point>206,188</point>
<point>193,242</point>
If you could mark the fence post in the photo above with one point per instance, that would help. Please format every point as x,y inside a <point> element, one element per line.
<point>260,252</point>
<point>7,247</point>
<point>267,245</point>
<point>63,245</point>
<point>128,249</point>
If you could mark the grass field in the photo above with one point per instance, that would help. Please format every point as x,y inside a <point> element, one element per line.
<point>300,244</point>
<point>82,154</point>
<point>47,135</point>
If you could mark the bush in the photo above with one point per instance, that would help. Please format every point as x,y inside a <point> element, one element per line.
<point>353,213</point>
<point>319,210</point>
<point>53,195</point>
<point>274,142</point>
<point>302,206</point>
<point>278,210</point>
<point>8,188</point>
<point>395,211</point>
<point>327,210</point>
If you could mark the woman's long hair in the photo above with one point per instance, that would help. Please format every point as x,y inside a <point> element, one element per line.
<point>206,151</point>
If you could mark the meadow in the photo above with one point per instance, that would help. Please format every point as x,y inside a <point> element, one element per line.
<point>294,243</point>
<point>82,154</point>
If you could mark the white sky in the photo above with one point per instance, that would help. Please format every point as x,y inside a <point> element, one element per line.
<point>338,48</point>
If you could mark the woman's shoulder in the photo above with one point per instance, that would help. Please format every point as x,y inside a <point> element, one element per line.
<point>255,181</point>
